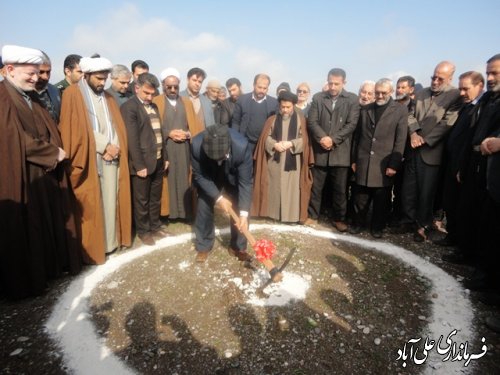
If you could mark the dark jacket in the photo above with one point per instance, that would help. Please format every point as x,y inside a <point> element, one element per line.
<point>378,146</point>
<point>141,136</point>
<point>433,119</point>
<point>242,116</point>
<point>339,124</point>
<point>238,169</point>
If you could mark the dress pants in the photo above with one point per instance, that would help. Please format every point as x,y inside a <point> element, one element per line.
<point>419,189</point>
<point>204,227</point>
<point>146,200</point>
<point>381,197</point>
<point>338,179</point>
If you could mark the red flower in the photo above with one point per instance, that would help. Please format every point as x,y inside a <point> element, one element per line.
<point>264,249</point>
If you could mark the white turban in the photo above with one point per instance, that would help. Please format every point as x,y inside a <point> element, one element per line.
<point>95,64</point>
<point>21,55</point>
<point>170,72</point>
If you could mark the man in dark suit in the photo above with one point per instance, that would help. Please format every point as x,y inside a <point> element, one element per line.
<point>436,110</point>
<point>471,85</point>
<point>378,149</point>
<point>253,109</point>
<point>222,163</point>
<point>331,122</point>
<point>479,172</point>
<point>146,149</point>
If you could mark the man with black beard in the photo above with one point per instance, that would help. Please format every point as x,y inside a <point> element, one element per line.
<point>378,148</point>
<point>95,139</point>
<point>405,94</point>
<point>47,93</point>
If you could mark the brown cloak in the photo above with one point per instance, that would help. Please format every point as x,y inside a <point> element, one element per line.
<point>37,227</point>
<point>260,189</point>
<point>194,126</point>
<point>79,143</point>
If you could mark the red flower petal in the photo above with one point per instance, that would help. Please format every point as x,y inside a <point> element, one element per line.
<point>264,249</point>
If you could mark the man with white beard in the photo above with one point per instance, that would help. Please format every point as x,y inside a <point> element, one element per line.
<point>378,149</point>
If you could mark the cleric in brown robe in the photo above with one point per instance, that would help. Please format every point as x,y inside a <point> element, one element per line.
<point>283,157</point>
<point>94,138</point>
<point>180,123</point>
<point>37,228</point>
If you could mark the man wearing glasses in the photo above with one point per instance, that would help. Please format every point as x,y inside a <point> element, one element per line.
<point>179,124</point>
<point>436,110</point>
<point>378,148</point>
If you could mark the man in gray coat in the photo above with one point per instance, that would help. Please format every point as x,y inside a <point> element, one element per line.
<point>436,110</point>
<point>378,148</point>
<point>332,120</point>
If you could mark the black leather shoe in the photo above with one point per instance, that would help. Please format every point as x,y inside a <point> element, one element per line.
<point>493,323</point>
<point>490,298</point>
<point>476,284</point>
<point>456,258</point>
<point>376,233</point>
<point>354,229</point>
<point>445,241</point>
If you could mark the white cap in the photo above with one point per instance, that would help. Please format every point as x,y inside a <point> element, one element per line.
<point>170,72</point>
<point>21,55</point>
<point>95,64</point>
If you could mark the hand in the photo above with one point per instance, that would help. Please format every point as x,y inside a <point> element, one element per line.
<point>107,157</point>
<point>278,147</point>
<point>490,146</point>
<point>224,204</point>
<point>243,224</point>
<point>142,173</point>
<point>113,151</point>
<point>326,142</point>
<point>165,167</point>
<point>353,167</point>
<point>416,140</point>
<point>389,172</point>
<point>61,155</point>
<point>178,135</point>
<point>459,180</point>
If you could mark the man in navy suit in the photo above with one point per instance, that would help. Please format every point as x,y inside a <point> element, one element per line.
<point>222,164</point>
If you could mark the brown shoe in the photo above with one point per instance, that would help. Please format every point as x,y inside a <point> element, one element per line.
<point>311,222</point>
<point>160,233</point>
<point>147,239</point>
<point>242,256</point>
<point>202,256</point>
<point>341,226</point>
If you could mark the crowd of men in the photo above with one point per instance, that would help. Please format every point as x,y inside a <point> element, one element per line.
<point>83,168</point>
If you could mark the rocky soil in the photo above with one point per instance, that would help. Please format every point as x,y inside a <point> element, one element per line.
<point>165,314</point>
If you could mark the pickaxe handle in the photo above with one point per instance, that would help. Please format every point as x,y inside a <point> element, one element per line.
<point>276,275</point>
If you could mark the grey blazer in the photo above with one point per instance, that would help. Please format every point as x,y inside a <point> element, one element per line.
<point>433,119</point>
<point>378,146</point>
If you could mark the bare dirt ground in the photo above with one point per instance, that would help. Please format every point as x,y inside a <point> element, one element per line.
<point>164,314</point>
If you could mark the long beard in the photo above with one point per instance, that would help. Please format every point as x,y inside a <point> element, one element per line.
<point>286,117</point>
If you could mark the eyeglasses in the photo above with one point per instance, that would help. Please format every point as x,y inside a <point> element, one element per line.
<point>436,78</point>
<point>170,87</point>
<point>302,91</point>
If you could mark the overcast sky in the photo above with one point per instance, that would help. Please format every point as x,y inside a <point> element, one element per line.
<point>292,41</point>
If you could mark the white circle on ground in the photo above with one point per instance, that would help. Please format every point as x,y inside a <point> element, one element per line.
<point>84,352</point>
